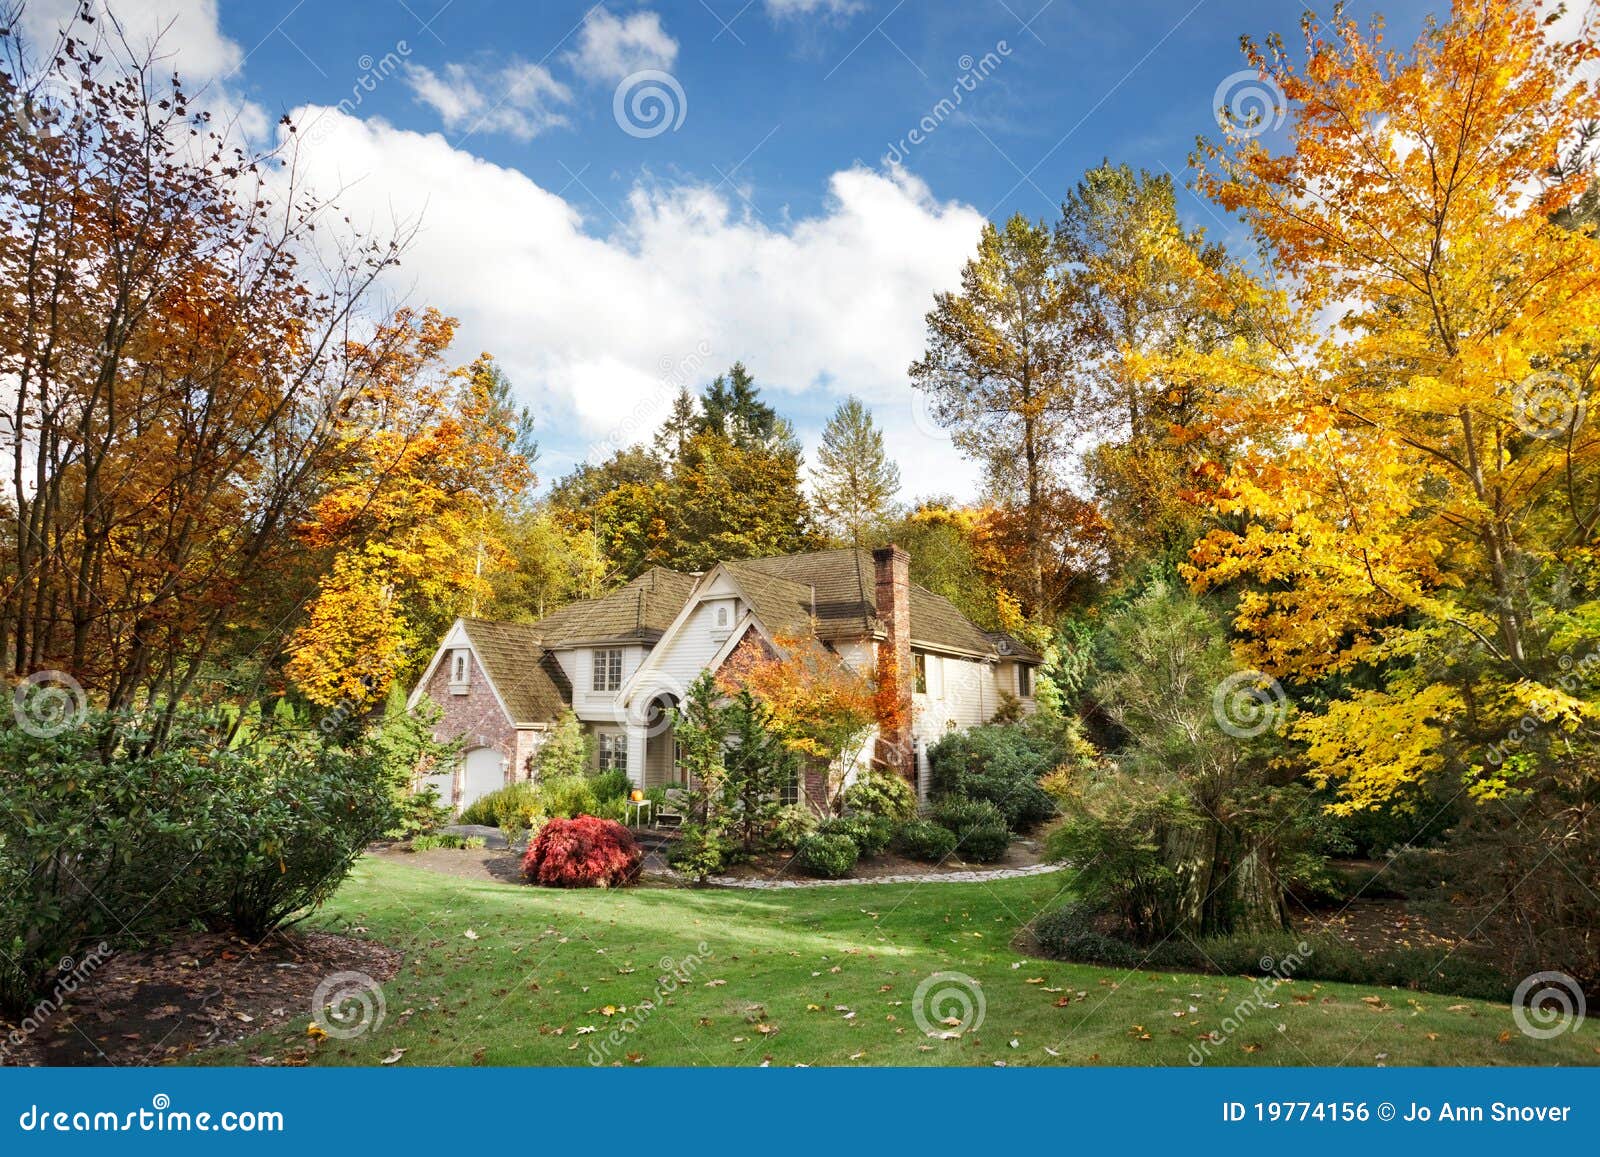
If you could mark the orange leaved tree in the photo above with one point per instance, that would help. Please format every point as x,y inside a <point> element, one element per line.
<point>823,709</point>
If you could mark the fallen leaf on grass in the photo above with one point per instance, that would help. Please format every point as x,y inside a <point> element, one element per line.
<point>393,1057</point>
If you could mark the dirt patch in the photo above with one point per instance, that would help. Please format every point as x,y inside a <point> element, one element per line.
<point>464,863</point>
<point>152,1006</point>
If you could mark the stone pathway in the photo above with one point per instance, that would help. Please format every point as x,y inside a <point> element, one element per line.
<point>966,877</point>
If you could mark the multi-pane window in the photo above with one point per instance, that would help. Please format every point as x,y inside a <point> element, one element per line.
<point>608,670</point>
<point>921,663</point>
<point>613,752</point>
<point>1024,680</point>
<point>458,666</point>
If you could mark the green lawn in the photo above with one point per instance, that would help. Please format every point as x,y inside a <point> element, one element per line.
<point>827,976</point>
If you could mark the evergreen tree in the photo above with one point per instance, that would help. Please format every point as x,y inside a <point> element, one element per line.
<point>732,408</point>
<point>855,482</point>
<point>673,438</point>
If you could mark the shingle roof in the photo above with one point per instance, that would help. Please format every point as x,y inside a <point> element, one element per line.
<point>529,679</point>
<point>846,601</point>
<point>642,610</point>
<point>838,587</point>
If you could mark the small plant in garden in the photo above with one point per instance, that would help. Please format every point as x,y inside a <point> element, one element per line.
<point>926,840</point>
<point>832,857</point>
<point>699,853</point>
<point>882,793</point>
<point>585,852</point>
<point>870,834</point>
<point>980,827</point>
<point>790,825</point>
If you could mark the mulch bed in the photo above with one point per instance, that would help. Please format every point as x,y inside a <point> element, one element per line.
<point>153,1006</point>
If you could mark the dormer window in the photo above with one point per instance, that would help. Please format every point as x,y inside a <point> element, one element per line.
<point>722,618</point>
<point>459,672</point>
<point>608,670</point>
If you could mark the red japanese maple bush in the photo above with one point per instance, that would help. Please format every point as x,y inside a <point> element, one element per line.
<point>586,852</point>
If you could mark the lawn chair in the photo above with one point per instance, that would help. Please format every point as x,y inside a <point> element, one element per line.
<point>670,811</point>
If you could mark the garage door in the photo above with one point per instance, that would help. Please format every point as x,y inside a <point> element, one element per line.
<point>484,772</point>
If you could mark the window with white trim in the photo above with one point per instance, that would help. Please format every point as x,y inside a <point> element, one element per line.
<point>614,752</point>
<point>608,670</point>
<point>1024,680</point>
<point>458,666</point>
<point>722,618</point>
<point>920,662</point>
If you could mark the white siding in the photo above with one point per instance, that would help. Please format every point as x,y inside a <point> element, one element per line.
<point>595,706</point>
<point>961,693</point>
<point>686,655</point>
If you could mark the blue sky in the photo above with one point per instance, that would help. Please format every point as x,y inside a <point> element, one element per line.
<point>605,263</point>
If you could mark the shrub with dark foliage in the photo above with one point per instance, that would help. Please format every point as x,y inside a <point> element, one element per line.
<point>585,852</point>
<point>830,857</point>
<point>925,840</point>
<point>870,834</point>
<point>1001,763</point>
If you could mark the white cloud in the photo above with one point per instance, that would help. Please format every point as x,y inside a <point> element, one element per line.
<point>181,34</point>
<point>782,9</point>
<point>596,330</point>
<point>518,99</point>
<point>610,48</point>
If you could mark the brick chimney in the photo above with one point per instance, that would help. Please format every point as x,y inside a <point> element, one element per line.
<point>891,568</point>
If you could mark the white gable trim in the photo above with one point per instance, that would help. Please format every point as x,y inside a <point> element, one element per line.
<point>454,640</point>
<point>697,596</point>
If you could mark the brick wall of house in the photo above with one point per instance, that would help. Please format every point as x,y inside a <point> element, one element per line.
<point>476,717</point>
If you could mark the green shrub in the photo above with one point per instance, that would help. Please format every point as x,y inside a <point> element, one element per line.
<point>299,817</point>
<point>791,825</point>
<point>610,785</point>
<point>925,840</point>
<point>567,796</point>
<point>699,853</point>
<point>984,844</point>
<point>831,857</point>
<point>959,814</point>
<point>882,793</point>
<point>870,834</point>
<point>481,810</point>
<point>1074,932</point>
<point>97,846</point>
<point>518,808</point>
<point>1079,932</point>
<point>1001,763</point>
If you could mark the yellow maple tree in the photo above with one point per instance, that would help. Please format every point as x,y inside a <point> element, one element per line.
<point>1409,494</point>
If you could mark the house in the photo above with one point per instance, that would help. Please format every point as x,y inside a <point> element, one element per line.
<point>624,661</point>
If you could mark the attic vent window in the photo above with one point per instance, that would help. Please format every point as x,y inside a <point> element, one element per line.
<point>458,672</point>
<point>722,617</point>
